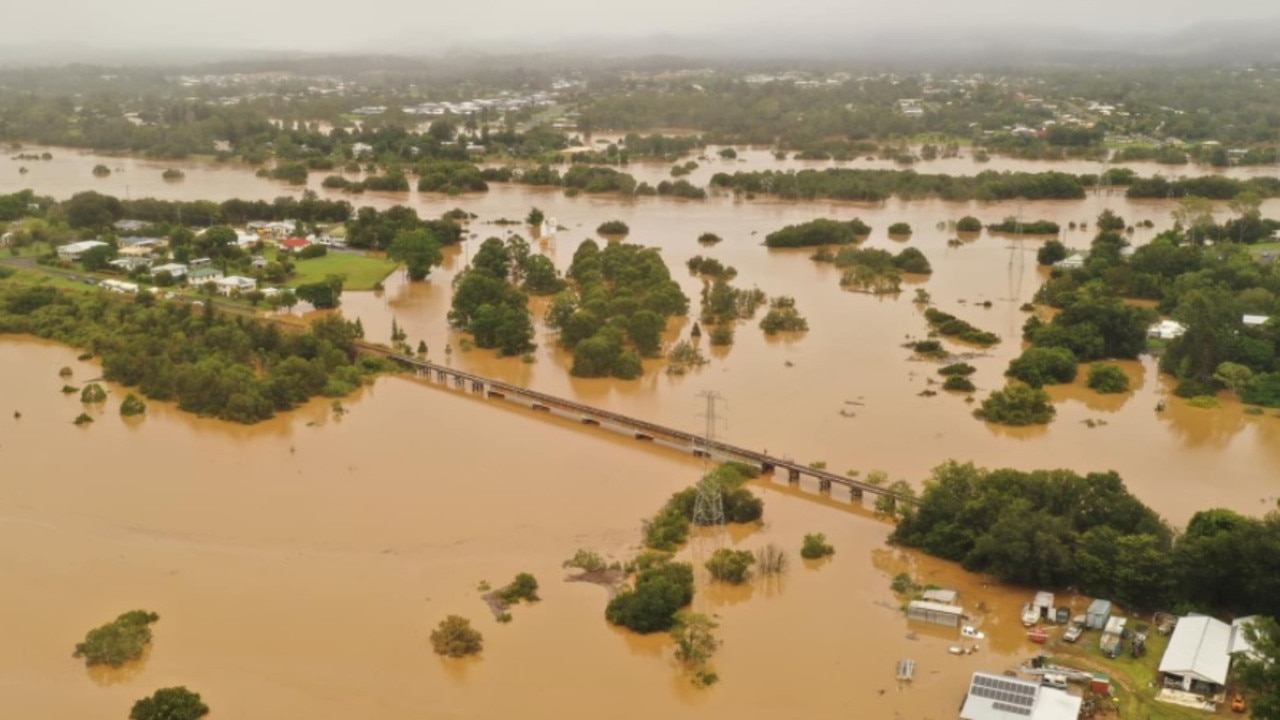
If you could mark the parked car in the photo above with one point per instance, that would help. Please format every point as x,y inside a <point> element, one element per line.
<point>1073,632</point>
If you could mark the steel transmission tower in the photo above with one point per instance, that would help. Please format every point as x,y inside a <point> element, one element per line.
<point>708,508</point>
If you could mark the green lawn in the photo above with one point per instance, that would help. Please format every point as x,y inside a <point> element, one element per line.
<point>38,276</point>
<point>360,272</point>
<point>1127,672</point>
<point>1259,248</point>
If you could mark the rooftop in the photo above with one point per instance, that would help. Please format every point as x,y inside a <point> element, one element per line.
<point>993,697</point>
<point>1200,648</point>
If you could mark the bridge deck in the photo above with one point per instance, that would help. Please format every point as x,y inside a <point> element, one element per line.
<point>654,430</point>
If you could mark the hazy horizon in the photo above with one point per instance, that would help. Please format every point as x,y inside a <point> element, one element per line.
<point>137,27</point>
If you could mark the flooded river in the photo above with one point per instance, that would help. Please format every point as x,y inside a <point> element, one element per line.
<point>299,565</point>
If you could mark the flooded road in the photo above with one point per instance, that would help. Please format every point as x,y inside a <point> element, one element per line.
<point>298,567</point>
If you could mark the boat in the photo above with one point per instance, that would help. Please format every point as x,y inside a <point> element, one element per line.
<point>1037,636</point>
<point>1030,615</point>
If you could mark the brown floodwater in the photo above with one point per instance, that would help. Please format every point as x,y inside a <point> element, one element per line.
<point>845,392</point>
<point>299,565</point>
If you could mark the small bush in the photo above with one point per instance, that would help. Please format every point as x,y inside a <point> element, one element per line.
<point>455,637</point>
<point>969,224</point>
<point>93,393</point>
<point>613,227</point>
<point>172,703</point>
<point>587,560</point>
<point>929,348</point>
<point>1017,405</point>
<point>69,389</point>
<point>731,566</point>
<point>1108,378</point>
<point>64,372</point>
<point>961,369</point>
<point>771,560</point>
<point>900,228</point>
<point>815,546</point>
<point>958,383</point>
<point>83,419</point>
<point>132,406</point>
<point>524,587</point>
<point>118,641</point>
<point>722,334</point>
<point>709,238</point>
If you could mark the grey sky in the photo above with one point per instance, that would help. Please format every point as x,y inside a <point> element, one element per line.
<point>330,25</point>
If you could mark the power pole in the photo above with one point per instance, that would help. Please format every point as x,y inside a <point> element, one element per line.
<point>708,508</point>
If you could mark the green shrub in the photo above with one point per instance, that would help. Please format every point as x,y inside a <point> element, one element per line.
<point>958,383</point>
<point>83,419</point>
<point>524,587</point>
<point>93,393</point>
<point>118,641</point>
<point>1017,405</point>
<point>709,238</point>
<point>952,326</point>
<point>815,546</point>
<point>1204,402</point>
<point>821,231</point>
<point>1108,378</point>
<point>613,227</point>
<point>961,369</point>
<point>172,703</point>
<point>969,224</point>
<point>132,406</point>
<point>586,560</point>
<point>455,637</point>
<point>660,592</point>
<point>1039,366</point>
<point>69,389</point>
<point>722,334</point>
<point>900,228</point>
<point>1051,252</point>
<point>731,566</point>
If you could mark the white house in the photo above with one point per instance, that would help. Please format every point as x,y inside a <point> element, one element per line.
<point>232,283</point>
<point>1072,262</point>
<point>995,697</point>
<point>1198,656</point>
<point>1166,330</point>
<point>128,264</point>
<point>119,286</point>
<point>175,270</point>
<point>73,251</point>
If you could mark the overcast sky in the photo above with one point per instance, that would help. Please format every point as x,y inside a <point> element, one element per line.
<point>331,25</point>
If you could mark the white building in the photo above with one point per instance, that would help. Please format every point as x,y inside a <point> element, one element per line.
<point>1198,656</point>
<point>175,270</point>
<point>233,283</point>
<point>1166,330</point>
<point>994,697</point>
<point>1255,320</point>
<point>128,264</point>
<point>119,286</point>
<point>1073,262</point>
<point>73,251</point>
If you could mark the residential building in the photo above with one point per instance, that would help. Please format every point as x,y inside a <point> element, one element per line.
<point>176,270</point>
<point>1166,330</point>
<point>1255,320</point>
<point>129,264</point>
<point>935,612</point>
<point>119,286</point>
<point>73,251</point>
<point>294,244</point>
<point>995,697</point>
<point>232,284</point>
<point>1073,262</point>
<point>203,274</point>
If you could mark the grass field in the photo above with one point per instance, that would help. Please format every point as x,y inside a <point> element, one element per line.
<point>359,271</point>
<point>1259,248</point>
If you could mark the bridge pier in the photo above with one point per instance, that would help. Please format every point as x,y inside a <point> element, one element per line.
<point>855,493</point>
<point>767,468</point>
<point>590,421</point>
<point>459,382</point>
<point>494,394</point>
<point>477,386</point>
<point>793,475</point>
<point>824,485</point>
<point>441,376</point>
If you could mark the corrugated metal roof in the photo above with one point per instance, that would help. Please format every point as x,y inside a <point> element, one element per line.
<point>1200,647</point>
<point>994,697</point>
<point>942,596</point>
<point>936,607</point>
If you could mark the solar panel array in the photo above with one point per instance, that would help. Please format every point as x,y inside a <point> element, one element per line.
<point>1011,697</point>
<point>1005,707</point>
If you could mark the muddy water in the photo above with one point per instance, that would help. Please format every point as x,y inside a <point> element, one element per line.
<point>846,392</point>
<point>298,567</point>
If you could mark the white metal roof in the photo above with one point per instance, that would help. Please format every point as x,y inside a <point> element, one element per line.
<point>936,607</point>
<point>994,697</point>
<point>1200,647</point>
<point>947,597</point>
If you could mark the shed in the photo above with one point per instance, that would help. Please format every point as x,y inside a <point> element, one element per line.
<point>1198,652</point>
<point>936,613</point>
<point>939,595</point>
<point>1098,614</point>
<point>1044,604</point>
<point>992,697</point>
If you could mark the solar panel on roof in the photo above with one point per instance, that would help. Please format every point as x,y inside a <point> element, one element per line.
<point>1012,709</point>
